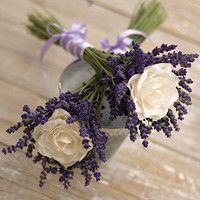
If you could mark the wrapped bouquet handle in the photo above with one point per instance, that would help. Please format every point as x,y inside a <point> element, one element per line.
<point>123,41</point>
<point>72,41</point>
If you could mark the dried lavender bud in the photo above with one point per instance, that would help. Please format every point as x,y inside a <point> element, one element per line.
<point>135,61</point>
<point>164,48</point>
<point>80,110</point>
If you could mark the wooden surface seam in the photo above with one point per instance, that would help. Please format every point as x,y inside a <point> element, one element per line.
<point>168,169</point>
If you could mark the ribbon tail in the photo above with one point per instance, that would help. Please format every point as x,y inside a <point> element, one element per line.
<point>46,46</point>
<point>129,32</point>
<point>105,44</point>
<point>80,28</point>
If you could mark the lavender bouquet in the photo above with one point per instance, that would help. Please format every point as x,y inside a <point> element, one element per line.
<point>150,90</point>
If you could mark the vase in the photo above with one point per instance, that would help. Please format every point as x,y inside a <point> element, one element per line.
<point>72,77</point>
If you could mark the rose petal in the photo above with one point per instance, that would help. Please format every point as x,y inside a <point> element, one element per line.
<point>154,91</point>
<point>59,140</point>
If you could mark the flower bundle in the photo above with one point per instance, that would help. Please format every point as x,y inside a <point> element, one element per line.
<point>150,90</point>
<point>145,86</point>
<point>66,134</point>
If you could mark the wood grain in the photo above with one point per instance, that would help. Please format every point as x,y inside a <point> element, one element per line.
<point>48,87</point>
<point>180,15</point>
<point>169,169</point>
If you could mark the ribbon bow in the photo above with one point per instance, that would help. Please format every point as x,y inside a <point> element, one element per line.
<point>123,41</point>
<point>72,41</point>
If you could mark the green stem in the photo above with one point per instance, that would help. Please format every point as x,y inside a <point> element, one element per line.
<point>85,85</point>
<point>147,18</point>
<point>102,100</point>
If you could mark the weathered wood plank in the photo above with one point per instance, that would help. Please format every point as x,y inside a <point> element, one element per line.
<point>10,190</point>
<point>180,15</point>
<point>27,59</point>
<point>22,171</point>
<point>132,172</point>
<point>174,163</point>
<point>167,170</point>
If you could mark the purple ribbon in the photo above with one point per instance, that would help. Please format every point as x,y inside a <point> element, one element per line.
<point>72,41</point>
<point>123,41</point>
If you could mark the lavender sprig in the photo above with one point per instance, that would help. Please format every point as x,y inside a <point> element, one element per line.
<point>146,18</point>
<point>80,110</point>
<point>123,66</point>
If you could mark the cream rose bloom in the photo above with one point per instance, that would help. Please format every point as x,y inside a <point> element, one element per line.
<point>61,141</point>
<point>154,91</point>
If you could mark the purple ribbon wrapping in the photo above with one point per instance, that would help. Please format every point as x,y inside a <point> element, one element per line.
<point>123,41</point>
<point>72,41</point>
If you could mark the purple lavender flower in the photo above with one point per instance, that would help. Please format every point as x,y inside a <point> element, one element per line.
<point>121,68</point>
<point>80,110</point>
<point>124,66</point>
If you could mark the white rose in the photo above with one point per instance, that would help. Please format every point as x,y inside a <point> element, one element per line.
<point>61,141</point>
<point>154,91</point>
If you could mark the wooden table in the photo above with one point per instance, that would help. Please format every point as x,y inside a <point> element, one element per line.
<point>168,169</point>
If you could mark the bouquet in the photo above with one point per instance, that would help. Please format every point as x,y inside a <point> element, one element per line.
<point>149,89</point>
